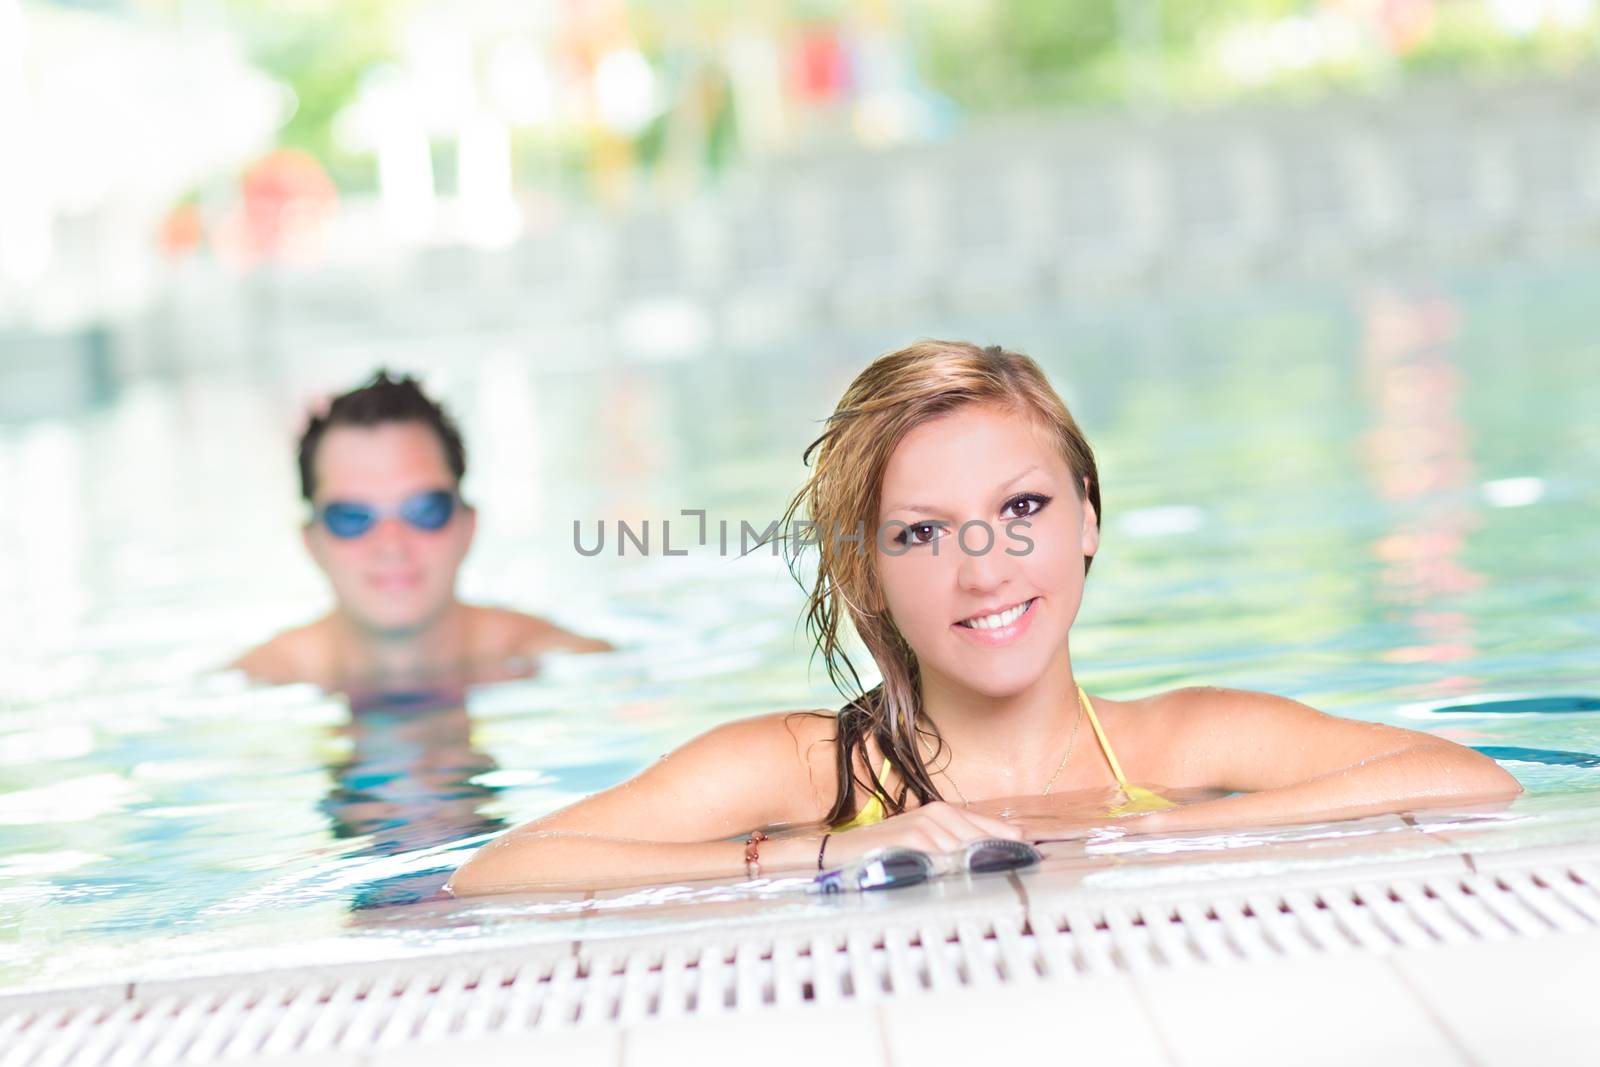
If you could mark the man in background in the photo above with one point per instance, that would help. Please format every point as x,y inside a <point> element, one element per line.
<point>382,471</point>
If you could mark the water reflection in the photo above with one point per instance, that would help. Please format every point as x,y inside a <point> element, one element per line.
<point>153,827</point>
<point>412,779</point>
<point>1420,461</point>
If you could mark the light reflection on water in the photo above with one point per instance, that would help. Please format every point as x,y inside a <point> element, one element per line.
<point>1374,501</point>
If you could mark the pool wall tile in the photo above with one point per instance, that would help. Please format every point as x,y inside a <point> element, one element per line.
<point>800,1037</point>
<point>1092,1022</point>
<point>1515,1002</point>
<point>592,1047</point>
<point>1335,1011</point>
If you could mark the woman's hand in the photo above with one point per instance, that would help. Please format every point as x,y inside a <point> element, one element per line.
<point>935,827</point>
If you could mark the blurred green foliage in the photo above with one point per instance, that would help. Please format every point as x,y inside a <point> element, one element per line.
<point>320,49</point>
<point>998,54</point>
<point>985,55</point>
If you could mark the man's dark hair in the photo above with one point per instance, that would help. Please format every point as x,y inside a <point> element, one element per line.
<point>383,399</point>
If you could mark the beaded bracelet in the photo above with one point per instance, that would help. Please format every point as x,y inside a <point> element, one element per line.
<point>752,853</point>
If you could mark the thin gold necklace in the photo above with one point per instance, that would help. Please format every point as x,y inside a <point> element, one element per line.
<point>1072,741</point>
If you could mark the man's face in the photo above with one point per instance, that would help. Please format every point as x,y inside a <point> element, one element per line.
<point>394,578</point>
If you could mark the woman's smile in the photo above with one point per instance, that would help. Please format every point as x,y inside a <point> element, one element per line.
<point>996,628</point>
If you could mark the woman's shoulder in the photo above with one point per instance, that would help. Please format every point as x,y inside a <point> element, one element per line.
<point>788,755</point>
<point>1214,700</point>
<point>1173,736</point>
<point>803,736</point>
<point>1193,705</point>
<point>807,735</point>
<point>1203,717</point>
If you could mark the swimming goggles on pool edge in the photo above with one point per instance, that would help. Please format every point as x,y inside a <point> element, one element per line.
<point>429,510</point>
<point>894,868</point>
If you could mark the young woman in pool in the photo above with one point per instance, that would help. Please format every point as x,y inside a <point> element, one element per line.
<point>985,501</point>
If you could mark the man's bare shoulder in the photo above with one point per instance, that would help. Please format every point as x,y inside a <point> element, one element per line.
<point>501,632</point>
<point>300,654</point>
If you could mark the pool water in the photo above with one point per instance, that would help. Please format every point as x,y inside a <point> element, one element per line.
<point>1381,499</point>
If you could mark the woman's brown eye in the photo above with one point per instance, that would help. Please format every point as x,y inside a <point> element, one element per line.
<point>923,533</point>
<point>1026,506</point>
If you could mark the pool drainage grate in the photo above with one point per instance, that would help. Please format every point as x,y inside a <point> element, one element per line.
<point>369,1008</point>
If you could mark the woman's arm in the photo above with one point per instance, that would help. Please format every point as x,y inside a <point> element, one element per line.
<point>672,820</point>
<point>1289,763</point>
<point>687,815</point>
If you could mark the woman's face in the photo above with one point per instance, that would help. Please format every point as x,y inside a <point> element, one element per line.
<point>981,538</point>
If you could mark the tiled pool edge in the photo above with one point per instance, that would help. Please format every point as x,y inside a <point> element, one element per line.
<point>1063,944</point>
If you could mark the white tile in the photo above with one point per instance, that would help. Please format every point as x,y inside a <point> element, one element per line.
<point>1328,1010</point>
<point>1089,1022</point>
<point>1275,870</point>
<point>1522,854</point>
<point>1514,1002</point>
<point>802,1037</point>
<point>591,1047</point>
<point>313,1059</point>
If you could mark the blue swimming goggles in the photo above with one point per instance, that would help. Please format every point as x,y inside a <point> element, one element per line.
<point>429,510</point>
<point>893,868</point>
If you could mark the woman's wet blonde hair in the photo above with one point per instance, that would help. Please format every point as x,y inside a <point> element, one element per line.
<point>895,394</point>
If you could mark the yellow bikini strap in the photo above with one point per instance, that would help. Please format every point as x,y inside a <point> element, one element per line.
<point>1105,746</point>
